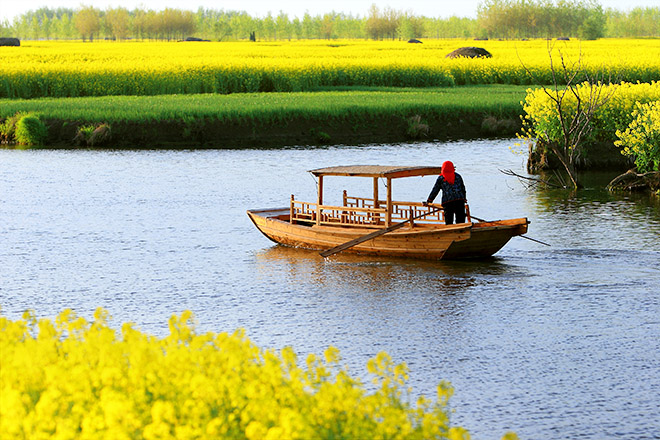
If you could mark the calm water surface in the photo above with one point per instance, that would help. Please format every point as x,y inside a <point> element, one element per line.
<point>551,342</point>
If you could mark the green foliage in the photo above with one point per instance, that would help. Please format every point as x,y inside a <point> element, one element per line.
<point>641,139</point>
<point>8,128</point>
<point>86,130</point>
<point>497,19</point>
<point>24,128</point>
<point>92,135</point>
<point>593,26</point>
<point>639,21</point>
<point>321,136</point>
<point>417,128</point>
<point>30,130</point>
<point>88,22</point>
<point>539,18</point>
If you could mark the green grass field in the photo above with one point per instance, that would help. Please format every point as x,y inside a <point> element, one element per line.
<point>346,115</point>
<point>270,107</point>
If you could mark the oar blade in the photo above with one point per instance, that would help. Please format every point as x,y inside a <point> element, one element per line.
<point>357,241</point>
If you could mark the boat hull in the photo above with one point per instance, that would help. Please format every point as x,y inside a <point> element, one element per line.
<point>435,242</point>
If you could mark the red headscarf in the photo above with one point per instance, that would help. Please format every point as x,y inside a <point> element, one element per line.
<point>448,172</point>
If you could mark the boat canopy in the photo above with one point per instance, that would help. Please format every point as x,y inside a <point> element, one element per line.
<point>386,171</point>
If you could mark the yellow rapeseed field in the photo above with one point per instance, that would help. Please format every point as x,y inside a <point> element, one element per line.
<point>69,378</point>
<point>57,69</point>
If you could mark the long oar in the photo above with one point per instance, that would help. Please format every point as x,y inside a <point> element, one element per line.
<point>374,234</point>
<point>521,236</point>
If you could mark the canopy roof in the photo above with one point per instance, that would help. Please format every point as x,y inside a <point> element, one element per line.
<point>387,171</point>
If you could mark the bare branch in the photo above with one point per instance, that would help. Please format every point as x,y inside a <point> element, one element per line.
<point>530,182</point>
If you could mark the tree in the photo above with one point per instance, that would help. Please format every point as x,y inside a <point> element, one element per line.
<point>117,21</point>
<point>538,18</point>
<point>410,27</point>
<point>5,29</point>
<point>375,23</point>
<point>347,26</point>
<point>222,28</point>
<point>88,22</point>
<point>327,26</point>
<point>174,23</point>
<point>593,26</point>
<point>268,27</point>
<point>242,25</point>
<point>283,26</point>
<point>47,26</point>
<point>310,27</point>
<point>64,27</point>
<point>392,19</point>
<point>36,27</point>
<point>296,27</point>
<point>566,124</point>
<point>139,23</point>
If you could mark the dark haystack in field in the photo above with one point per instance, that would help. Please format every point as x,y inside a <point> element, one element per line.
<point>414,40</point>
<point>10,42</point>
<point>469,52</point>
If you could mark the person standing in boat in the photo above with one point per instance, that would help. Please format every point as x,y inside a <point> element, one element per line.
<point>453,194</point>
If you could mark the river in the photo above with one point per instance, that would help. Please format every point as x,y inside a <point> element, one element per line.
<point>550,342</point>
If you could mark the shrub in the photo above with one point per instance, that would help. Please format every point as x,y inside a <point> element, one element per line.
<point>30,130</point>
<point>541,120</point>
<point>8,128</point>
<point>92,135</point>
<point>417,128</point>
<point>642,137</point>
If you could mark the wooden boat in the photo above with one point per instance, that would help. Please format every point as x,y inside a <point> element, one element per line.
<point>322,227</point>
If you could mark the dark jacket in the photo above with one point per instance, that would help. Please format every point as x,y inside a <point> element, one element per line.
<point>450,192</point>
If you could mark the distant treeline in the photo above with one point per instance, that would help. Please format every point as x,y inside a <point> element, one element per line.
<point>495,19</point>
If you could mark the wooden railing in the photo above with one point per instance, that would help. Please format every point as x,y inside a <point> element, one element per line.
<point>361,212</point>
<point>336,215</point>
<point>400,210</point>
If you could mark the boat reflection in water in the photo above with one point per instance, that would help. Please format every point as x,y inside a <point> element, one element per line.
<point>354,272</point>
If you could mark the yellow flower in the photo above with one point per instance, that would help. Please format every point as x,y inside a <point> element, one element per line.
<point>77,379</point>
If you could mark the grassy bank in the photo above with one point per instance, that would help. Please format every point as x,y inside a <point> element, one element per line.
<point>350,115</point>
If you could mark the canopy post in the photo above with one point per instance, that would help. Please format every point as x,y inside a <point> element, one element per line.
<point>319,201</point>
<point>376,217</point>
<point>388,214</point>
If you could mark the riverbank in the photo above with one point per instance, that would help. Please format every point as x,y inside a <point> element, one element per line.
<point>348,116</point>
<point>340,116</point>
<point>295,131</point>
